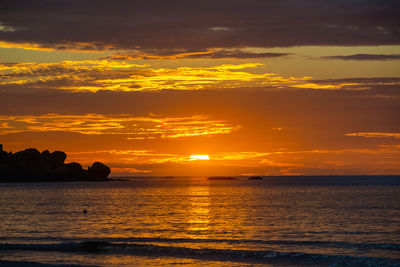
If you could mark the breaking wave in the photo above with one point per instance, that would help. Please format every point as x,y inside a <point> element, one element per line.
<point>256,256</point>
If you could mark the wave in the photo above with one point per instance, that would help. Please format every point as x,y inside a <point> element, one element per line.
<point>37,264</point>
<point>256,256</point>
<point>382,246</point>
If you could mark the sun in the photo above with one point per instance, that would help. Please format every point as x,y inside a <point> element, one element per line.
<point>199,157</point>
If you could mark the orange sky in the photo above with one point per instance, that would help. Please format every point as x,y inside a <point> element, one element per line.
<point>160,83</point>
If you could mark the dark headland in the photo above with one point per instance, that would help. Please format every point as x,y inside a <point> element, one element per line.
<point>30,165</point>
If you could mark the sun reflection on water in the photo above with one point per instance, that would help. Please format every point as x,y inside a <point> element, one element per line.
<point>199,210</point>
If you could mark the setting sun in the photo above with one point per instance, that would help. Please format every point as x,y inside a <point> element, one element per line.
<point>199,157</point>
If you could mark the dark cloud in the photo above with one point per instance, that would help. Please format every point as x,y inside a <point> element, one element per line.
<point>371,87</point>
<point>238,55</point>
<point>362,80</point>
<point>173,54</point>
<point>175,24</point>
<point>361,57</point>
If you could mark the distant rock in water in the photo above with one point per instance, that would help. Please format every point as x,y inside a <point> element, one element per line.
<point>255,178</point>
<point>30,165</point>
<point>221,178</point>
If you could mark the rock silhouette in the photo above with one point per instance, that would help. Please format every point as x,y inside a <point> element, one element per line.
<point>30,165</point>
<point>255,178</point>
<point>99,170</point>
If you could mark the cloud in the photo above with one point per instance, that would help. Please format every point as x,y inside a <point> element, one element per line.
<point>177,24</point>
<point>135,128</point>
<point>361,57</point>
<point>324,86</point>
<point>95,75</point>
<point>69,46</point>
<point>128,170</point>
<point>119,75</point>
<point>375,87</point>
<point>362,80</point>
<point>208,54</point>
<point>116,75</point>
<point>374,134</point>
<point>6,28</point>
<point>131,156</point>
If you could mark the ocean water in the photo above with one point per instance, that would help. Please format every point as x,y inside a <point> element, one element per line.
<point>192,221</point>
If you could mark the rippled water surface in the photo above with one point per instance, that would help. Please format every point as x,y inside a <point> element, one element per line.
<point>153,221</point>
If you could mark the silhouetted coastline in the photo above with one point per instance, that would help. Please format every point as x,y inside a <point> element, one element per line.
<point>30,165</point>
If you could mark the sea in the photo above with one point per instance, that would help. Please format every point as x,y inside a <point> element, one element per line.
<point>193,221</point>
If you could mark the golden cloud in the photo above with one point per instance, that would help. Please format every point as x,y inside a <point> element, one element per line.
<point>130,170</point>
<point>324,86</point>
<point>95,75</point>
<point>94,47</point>
<point>134,127</point>
<point>374,134</point>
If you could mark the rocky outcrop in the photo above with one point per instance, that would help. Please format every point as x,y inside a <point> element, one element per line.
<point>30,165</point>
<point>57,158</point>
<point>99,171</point>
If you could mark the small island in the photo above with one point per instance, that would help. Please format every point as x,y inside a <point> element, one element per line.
<point>31,165</point>
<point>221,178</point>
<point>255,178</point>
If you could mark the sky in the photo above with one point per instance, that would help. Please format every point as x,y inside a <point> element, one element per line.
<point>288,87</point>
